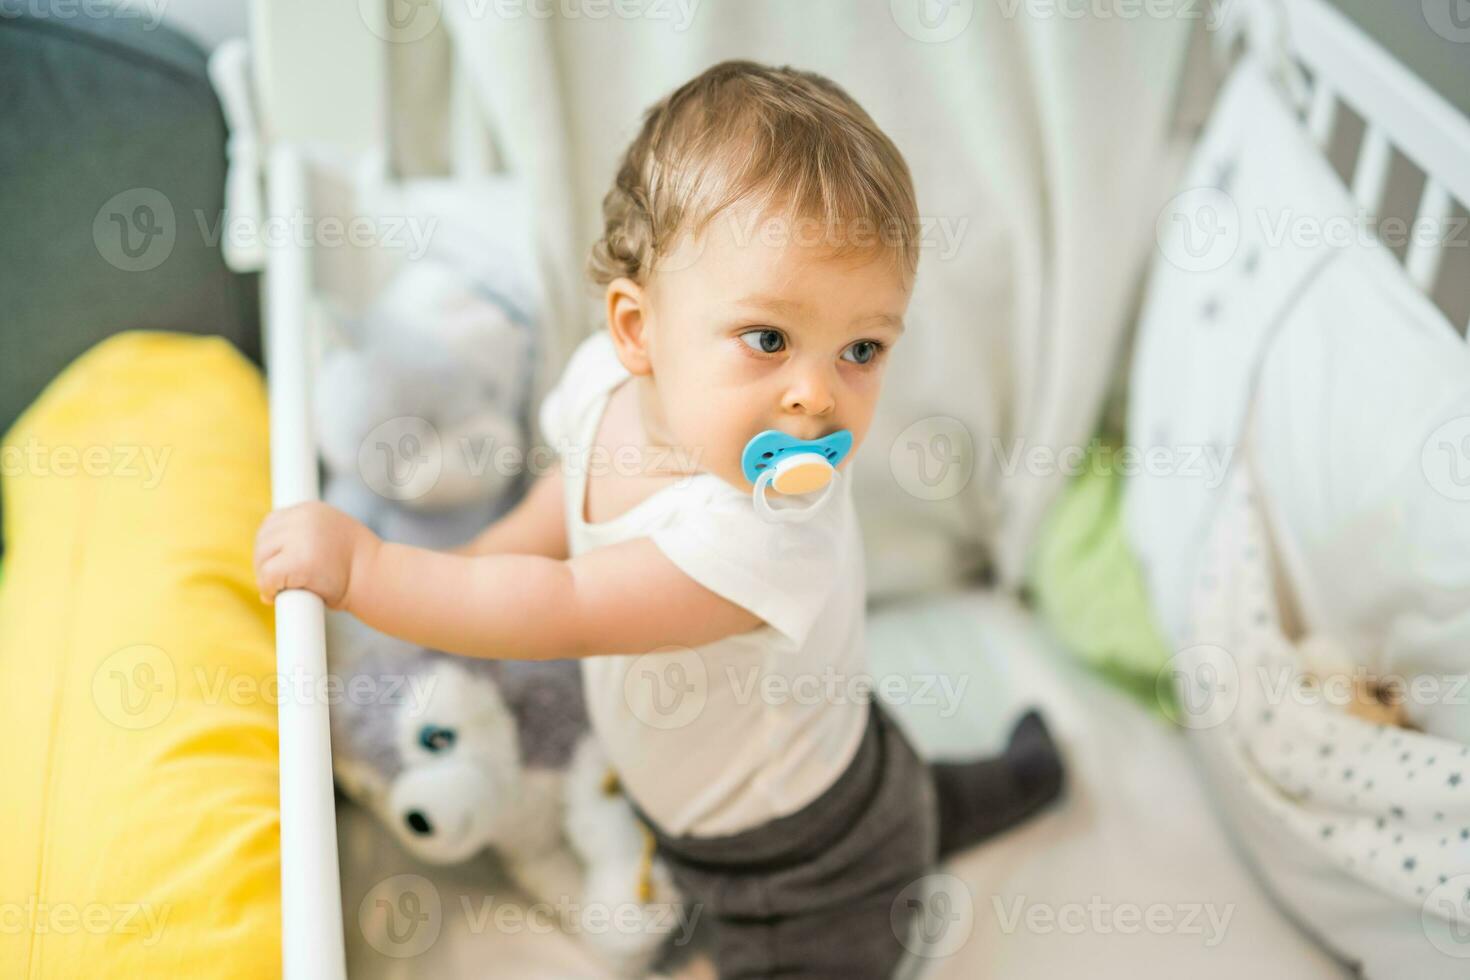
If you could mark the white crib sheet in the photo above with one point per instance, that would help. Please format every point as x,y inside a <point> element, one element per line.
<point>1120,880</point>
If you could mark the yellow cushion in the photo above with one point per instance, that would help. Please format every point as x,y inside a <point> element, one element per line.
<point>139,833</point>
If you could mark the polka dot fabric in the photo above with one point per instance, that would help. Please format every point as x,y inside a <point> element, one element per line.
<point>1377,804</point>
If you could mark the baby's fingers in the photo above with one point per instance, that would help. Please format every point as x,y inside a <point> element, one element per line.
<point>270,579</point>
<point>265,550</point>
<point>281,570</point>
<point>269,537</point>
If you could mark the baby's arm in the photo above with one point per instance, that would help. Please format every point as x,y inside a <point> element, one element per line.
<point>624,598</point>
<point>537,525</point>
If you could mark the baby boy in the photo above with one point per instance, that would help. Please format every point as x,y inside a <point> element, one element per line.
<point>759,249</point>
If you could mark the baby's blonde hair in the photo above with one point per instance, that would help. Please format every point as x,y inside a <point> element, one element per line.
<point>791,142</point>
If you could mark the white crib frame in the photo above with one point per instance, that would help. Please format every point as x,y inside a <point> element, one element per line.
<point>299,108</point>
<point>311,899</point>
<point>1399,110</point>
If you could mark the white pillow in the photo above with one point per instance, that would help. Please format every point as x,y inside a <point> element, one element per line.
<point>1361,433</point>
<point>1222,277</point>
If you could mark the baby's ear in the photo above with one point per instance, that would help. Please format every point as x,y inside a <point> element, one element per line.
<point>627,323</point>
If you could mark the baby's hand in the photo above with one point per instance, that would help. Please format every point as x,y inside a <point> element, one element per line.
<point>311,546</point>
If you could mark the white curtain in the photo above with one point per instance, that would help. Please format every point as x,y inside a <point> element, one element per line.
<point>1038,137</point>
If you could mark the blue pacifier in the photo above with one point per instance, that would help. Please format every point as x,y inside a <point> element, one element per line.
<point>793,466</point>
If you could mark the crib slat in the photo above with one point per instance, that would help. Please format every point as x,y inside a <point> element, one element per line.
<point>1425,250</point>
<point>1323,112</point>
<point>1371,176</point>
<point>311,902</point>
<point>469,154</point>
<point>1420,123</point>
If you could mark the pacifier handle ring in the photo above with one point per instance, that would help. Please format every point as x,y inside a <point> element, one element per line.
<point>792,515</point>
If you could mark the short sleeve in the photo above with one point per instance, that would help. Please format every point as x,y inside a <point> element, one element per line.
<point>592,369</point>
<point>783,573</point>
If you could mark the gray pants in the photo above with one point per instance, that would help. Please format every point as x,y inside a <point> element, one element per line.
<point>816,893</point>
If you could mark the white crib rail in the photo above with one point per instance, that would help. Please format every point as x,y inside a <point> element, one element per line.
<point>1399,112</point>
<point>311,906</point>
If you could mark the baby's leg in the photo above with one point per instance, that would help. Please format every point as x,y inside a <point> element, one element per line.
<point>846,907</point>
<point>856,941</point>
<point>982,798</point>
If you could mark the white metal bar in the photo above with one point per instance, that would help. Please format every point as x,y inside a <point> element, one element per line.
<point>1425,252</point>
<point>1415,118</point>
<point>1323,112</point>
<point>1370,177</point>
<point>311,902</point>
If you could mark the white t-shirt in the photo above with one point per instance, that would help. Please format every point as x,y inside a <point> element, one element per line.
<point>752,727</point>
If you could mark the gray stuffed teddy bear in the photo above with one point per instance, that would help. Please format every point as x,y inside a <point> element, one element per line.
<point>456,755</point>
<point>420,412</point>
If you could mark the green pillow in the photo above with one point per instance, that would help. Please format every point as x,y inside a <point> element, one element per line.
<point>1086,583</point>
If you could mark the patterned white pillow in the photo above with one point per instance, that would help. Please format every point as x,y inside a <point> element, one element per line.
<point>1361,829</point>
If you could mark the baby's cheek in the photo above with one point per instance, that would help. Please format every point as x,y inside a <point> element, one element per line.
<point>858,415</point>
<point>720,454</point>
<point>716,442</point>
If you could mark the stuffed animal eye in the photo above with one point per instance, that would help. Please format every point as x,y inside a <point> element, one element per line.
<point>436,739</point>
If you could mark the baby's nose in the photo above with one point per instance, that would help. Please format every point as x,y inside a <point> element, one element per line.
<point>810,394</point>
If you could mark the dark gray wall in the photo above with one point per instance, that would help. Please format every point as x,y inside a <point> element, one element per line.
<point>1430,36</point>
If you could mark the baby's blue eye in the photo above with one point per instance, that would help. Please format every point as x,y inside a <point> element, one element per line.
<point>436,739</point>
<point>766,340</point>
<point>862,352</point>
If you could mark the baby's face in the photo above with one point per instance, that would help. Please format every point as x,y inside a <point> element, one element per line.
<point>748,331</point>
